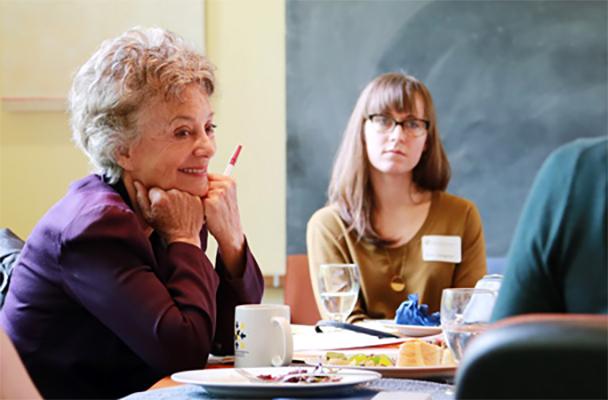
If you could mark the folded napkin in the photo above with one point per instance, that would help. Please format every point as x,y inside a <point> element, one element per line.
<point>410,313</point>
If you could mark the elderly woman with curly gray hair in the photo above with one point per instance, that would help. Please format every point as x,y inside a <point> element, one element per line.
<point>113,289</point>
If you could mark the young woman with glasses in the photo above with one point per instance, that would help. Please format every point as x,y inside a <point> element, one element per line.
<point>388,210</point>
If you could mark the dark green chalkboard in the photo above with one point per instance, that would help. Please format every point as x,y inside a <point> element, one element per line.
<point>512,80</point>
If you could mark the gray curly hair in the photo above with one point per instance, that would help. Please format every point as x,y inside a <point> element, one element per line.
<point>109,89</point>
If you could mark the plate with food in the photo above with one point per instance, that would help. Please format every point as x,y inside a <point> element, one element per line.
<point>277,381</point>
<point>415,358</point>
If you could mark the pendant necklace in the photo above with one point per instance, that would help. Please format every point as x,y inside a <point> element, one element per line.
<point>396,283</point>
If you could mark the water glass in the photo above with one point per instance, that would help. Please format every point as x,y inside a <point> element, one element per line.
<point>338,289</point>
<point>465,313</point>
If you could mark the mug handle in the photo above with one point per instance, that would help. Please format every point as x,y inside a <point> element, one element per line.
<point>285,328</point>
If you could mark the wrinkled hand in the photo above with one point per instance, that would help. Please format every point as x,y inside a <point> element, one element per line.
<point>177,216</point>
<point>224,220</point>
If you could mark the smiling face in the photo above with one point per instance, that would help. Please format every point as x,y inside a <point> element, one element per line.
<point>395,152</point>
<point>176,141</point>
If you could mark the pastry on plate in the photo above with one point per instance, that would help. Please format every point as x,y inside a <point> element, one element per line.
<point>419,353</point>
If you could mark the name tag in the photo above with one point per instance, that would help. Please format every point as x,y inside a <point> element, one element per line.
<point>441,248</point>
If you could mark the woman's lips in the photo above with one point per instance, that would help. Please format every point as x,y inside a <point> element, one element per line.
<point>194,171</point>
<point>395,151</point>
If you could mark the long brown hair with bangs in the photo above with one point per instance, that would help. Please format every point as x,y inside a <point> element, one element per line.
<point>350,188</point>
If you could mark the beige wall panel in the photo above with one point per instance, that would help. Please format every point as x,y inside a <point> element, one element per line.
<point>246,41</point>
<point>33,179</point>
<point>37,163</point>
<point>44,41</point>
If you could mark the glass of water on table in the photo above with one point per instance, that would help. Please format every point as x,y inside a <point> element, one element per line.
<point>338,289</point>
<point>465,313</point>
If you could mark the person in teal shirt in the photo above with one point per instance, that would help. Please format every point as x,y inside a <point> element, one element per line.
<point>557,261</point>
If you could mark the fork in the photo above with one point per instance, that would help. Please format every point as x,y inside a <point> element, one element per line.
<point>331,372</point>
<point>253,378</point>
<point>249,376</point>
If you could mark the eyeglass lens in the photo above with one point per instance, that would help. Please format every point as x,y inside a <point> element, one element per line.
<point>385,124</point>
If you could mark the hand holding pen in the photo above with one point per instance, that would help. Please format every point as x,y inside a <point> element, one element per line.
<point>222,215</point>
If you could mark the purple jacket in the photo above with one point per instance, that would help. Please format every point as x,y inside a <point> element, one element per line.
<point>98,309</point>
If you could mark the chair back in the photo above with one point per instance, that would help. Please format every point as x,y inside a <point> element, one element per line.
<point>10,248</point>
<point>298,291</point>
<point>538,356</point>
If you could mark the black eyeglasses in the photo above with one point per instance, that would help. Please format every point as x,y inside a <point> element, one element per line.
<point>411,126</point>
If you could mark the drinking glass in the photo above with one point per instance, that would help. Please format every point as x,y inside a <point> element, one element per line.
<point>465,313</point>
<point>338,289</point>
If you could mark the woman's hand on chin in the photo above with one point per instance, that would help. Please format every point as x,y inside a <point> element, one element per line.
<point>177,216</point>
<point>224,221</point>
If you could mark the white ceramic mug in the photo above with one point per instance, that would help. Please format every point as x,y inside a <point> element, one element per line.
<point>262,335</point>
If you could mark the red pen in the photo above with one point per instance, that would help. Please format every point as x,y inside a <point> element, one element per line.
<point>232,162</point>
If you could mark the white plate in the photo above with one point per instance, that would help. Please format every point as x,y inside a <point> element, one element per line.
<point>227,382</point>
<point>410,330</point>
<point>439,371</point>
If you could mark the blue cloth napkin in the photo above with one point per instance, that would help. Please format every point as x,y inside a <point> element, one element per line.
<point>410,313</point>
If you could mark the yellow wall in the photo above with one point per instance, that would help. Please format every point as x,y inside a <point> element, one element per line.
<point>46,40</point>
<point>246,41</point>
<point>37,163</point>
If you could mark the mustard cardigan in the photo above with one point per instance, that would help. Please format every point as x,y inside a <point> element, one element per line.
<point>329,241</point>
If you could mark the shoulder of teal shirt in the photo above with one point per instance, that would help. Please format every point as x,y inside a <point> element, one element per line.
<point>561,236</point>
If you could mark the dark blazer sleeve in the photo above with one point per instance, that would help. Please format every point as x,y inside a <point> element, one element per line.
<point>232,291</point>
<point>109,267</point>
